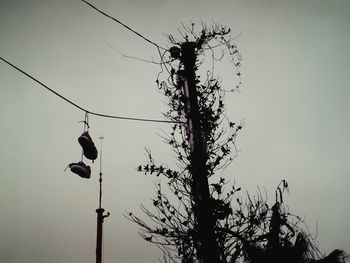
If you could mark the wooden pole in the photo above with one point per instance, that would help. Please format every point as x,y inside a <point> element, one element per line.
<point>207,246</point>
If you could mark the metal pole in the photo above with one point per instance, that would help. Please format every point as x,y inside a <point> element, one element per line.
<point>99,235</point>
<point>100,215</point>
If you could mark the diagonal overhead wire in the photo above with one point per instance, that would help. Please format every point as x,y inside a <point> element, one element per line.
<point>79,107</point>
<point>121,23</point>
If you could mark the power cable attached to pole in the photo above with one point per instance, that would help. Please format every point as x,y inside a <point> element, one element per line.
<point>79,107</point>
<point>124,25</point>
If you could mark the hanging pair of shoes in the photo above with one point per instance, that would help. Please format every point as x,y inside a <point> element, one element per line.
<point>89,151</point>
<point>80,169</point>
<point>88,146</point>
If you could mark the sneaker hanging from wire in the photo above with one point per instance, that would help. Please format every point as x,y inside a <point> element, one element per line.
<point>88,146</point>
<point>80,169</point>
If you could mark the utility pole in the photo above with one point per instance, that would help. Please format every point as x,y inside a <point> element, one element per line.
<point>207,246</point>
<point>100,215</point>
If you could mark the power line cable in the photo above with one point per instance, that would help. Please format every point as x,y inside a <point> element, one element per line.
<point>79,107</point>
<point>132,57</point>
<point>121,23</point>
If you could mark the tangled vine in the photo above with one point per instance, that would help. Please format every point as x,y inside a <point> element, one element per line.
<point>247,230</point>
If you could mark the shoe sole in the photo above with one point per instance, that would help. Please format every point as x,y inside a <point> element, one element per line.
<point>79,171</point>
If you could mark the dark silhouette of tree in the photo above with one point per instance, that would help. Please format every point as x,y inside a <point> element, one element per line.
<point>246,229</point>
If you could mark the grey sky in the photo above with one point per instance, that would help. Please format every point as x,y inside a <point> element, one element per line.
<point>294,100</point>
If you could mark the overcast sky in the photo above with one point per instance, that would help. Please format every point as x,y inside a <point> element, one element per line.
<point>294,100</point>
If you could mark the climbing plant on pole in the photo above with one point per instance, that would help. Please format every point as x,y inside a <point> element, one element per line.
<point>196,214</point>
